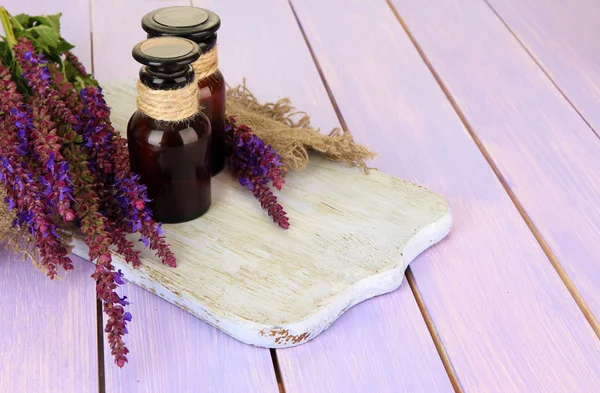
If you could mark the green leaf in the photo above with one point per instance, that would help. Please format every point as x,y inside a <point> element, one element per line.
<point>52,21</point>
<point>23,20</point>
<point>55,19</point>
<point>43,37</point>
<point>64,46</point>
<point>70,71</point>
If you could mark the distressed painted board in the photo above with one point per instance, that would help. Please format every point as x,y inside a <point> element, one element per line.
<point>536,139</point>
<point>49,329</point>
<point>277,288</point>
<point>248,53</point>
<point>390,348</point>
<point>502,314</point>
<point>562,38</point>
<point>173,351</point>
<point>367,351</point>
<point>177,352</point>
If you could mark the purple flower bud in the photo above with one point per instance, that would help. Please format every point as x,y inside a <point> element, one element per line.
<point>145,240</point>
<point>7,165</point>
<point>118,279</point>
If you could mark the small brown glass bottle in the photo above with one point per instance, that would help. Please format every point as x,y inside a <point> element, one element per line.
<point>199,25</point>
<point>169,138</point>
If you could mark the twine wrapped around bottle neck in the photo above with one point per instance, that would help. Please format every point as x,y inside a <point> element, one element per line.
<point>207,64</point>
<point>168,105</point>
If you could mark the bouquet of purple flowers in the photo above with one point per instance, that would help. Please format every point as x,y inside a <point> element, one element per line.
<point>61,162</point>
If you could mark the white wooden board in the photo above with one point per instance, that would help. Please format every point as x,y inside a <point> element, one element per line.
<point>351,238</point>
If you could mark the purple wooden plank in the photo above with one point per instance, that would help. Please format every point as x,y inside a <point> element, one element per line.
<point>382,344</point>
<point>171,350</point>
<point>267,49</point>
<point>562,36</point>
<point>246,53</point>
<point>374,347</point>
<point>506,320</point>
<point>48,329</point>
<point>546,149</point>
<point>116,29</point>
<point>75,20</point>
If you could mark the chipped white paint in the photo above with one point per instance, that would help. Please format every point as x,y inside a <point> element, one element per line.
<point>351,238</point>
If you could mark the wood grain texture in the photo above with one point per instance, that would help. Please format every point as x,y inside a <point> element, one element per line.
<point>117,28</point>
<point>75,20</point>
<point>172,351</point>
<point>562,37</point>
<point>288,71</point>
<point>48,329</point>
<point>277,288</point>
<point>371,348</point>
<point>542,147</point>
<point>504,317</point>
<point>260,40</point>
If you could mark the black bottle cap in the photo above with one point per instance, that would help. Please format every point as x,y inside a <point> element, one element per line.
<point>166,52</point>
<point>193,23</point>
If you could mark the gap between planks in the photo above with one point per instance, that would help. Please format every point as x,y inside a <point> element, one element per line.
<point>433,332</point>
<point>336,108</point>
<point>277,369</point>
<point>541,67</point>
<point>100,334</point>
<point>591,319</point>
<point>409,276</point>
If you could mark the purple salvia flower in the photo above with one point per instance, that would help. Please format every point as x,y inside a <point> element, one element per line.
<point>145,240</point>
<point>33,210</point>
<point>39,127</point>
<point>118,278</point>
<point>38,77</point>
<point>71,58</point>
<point>97,135</point>
<point>256,165</point>
<point>123,301</point>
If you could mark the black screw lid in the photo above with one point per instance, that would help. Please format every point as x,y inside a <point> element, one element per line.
<point>166,52</point>
<point>193,23</point>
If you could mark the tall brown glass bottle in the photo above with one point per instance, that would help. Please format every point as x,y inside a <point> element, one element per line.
<point>172,157</point>
<point>199,25</point>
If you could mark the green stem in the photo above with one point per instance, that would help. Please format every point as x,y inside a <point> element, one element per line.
<point>79,83</point>
<point>11,40</point>
<point>64,68</point>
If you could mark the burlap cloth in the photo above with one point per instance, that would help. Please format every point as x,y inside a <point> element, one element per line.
<point>13,239</point>
<point>290,132</point>
<point>278,124</point>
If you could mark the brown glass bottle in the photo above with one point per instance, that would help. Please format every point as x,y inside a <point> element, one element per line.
<point>172,158</point>
<point>199,25</point>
